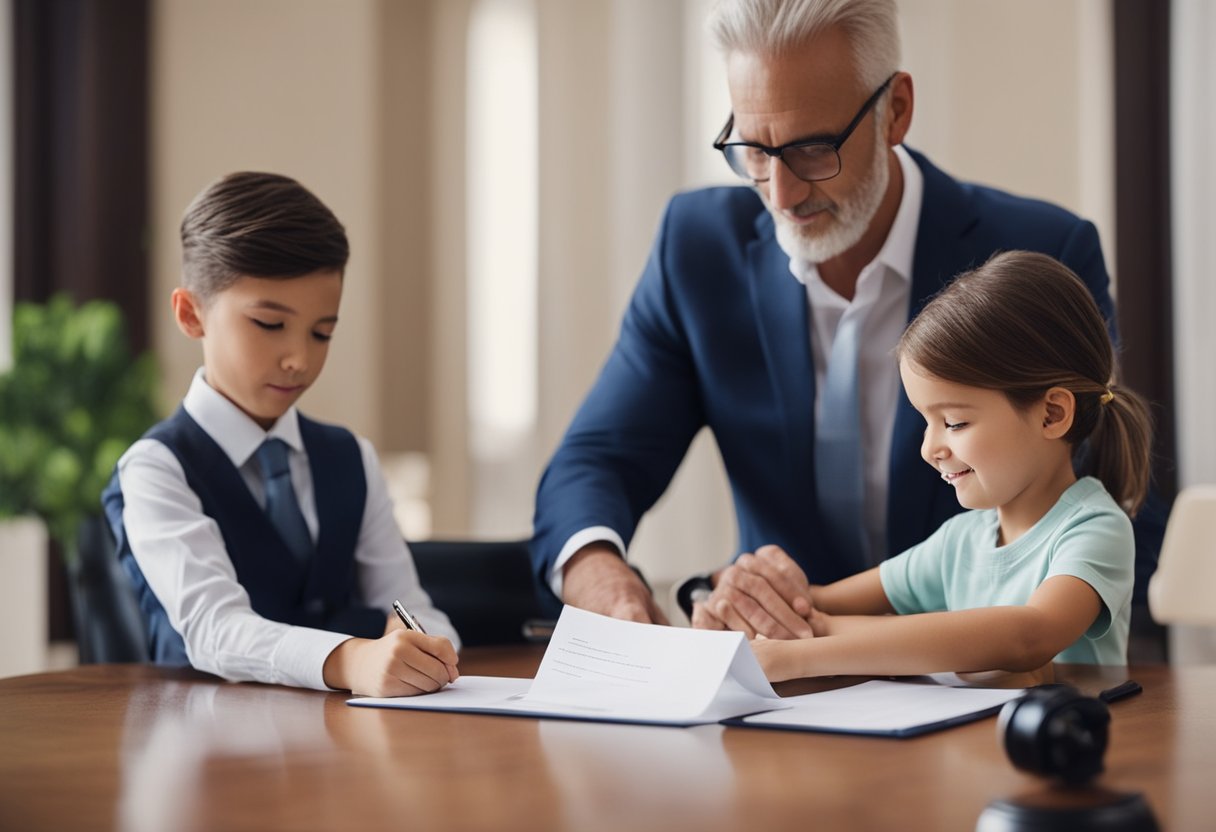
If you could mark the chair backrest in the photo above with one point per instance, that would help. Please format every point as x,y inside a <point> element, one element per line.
<point>1182,590</point>
<point>109,626</point>
<point>485,587</point>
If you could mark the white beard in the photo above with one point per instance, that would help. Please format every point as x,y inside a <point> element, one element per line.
<point>852,218</point>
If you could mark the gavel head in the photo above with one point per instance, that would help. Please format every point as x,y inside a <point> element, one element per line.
<point>1056,732</point>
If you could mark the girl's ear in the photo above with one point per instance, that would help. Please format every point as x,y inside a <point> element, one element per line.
<point>1059,409</point>
<point>188,312</point>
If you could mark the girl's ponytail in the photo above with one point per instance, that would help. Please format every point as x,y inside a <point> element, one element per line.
<point>1120,446</point>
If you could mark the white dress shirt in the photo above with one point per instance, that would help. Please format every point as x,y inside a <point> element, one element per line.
<point>883,296</point>
<point>882,300</point>
<point>181,552</point>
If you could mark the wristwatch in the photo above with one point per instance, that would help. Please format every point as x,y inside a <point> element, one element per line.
<point>692,590</point>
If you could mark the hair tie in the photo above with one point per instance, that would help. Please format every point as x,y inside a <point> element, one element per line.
<point>1107,397</point>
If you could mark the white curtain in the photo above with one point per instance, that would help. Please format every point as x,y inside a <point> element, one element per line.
<point>1194,213</point>
<point>1193,179</point>
<point>6,186</point>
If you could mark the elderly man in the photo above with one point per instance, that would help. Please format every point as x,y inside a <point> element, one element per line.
<point>769,312</point>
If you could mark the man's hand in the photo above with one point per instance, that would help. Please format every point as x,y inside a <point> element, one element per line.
<point>599,580</point>
<point>765,593</point>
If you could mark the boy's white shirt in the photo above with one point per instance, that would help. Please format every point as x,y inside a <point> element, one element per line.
<point>182,555</point>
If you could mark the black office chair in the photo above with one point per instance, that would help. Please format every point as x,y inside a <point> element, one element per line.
<point>109,626</point>
<point>485,587</point>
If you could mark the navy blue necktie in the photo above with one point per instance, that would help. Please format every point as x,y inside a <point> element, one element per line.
<point>282,507</point>
<point>838,455</point>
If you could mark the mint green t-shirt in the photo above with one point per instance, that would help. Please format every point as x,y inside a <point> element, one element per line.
<point>1085,534</point>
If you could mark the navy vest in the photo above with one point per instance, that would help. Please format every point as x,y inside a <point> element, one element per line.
<point>323,593</point>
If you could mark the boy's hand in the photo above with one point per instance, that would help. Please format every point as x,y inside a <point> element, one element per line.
<point>392,622</point>
<point>401,663</point>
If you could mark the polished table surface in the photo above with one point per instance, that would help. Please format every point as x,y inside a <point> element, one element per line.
<point>141,748</point>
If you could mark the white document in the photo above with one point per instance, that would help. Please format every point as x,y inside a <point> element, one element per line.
<point>600,668</point>
<point>894,709</point>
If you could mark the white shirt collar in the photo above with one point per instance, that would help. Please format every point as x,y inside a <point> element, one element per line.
<point>900,246</point>
<point>237,435</point>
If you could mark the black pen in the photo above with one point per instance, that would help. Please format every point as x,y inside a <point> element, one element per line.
<point>407,619</point>
<point>1129,688</point>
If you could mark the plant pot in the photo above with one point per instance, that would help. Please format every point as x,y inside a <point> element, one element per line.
<point>23,596</point>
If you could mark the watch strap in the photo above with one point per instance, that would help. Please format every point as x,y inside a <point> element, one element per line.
<point>692,590</point>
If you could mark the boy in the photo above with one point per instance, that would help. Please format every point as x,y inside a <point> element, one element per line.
<point>261,544</point>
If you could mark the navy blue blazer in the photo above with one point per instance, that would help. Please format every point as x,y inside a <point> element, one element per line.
<point>717,334</point>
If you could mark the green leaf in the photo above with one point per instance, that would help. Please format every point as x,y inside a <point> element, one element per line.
<point>71,404</point>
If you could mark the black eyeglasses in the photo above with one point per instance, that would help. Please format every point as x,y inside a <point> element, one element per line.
<point>811,160</point>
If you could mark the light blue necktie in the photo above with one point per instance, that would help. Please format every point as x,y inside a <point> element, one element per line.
<point>838,458</point>
<point>282,507</point>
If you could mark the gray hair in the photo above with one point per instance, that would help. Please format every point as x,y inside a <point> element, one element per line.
<point>776,26</point>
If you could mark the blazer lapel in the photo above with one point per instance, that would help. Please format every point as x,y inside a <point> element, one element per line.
<point>946,215</point>
<point>941,253</point>
<point>782,319</point>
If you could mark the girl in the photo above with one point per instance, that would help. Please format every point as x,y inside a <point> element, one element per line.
<point>1012,368</point>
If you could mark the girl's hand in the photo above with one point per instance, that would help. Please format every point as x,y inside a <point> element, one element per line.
<point>1009,679</point>
<point>821,622</point>
<point>775,657</point>
<point>400,663</point>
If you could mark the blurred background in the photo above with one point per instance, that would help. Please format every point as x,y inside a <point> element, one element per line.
<point>500,166</point>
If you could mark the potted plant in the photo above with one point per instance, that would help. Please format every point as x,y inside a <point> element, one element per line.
<point>73,401</point>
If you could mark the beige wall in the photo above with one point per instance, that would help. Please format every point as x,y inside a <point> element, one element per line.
<point>1018,95</point>
<point>289,86</point>
<point>362,100</point>
<point>349,97</point>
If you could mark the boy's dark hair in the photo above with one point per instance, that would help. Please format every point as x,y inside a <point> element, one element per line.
<point>257,225</point>
<point>1023,323</point>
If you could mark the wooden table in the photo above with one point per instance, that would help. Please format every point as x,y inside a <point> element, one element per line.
<point>140,748</point>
